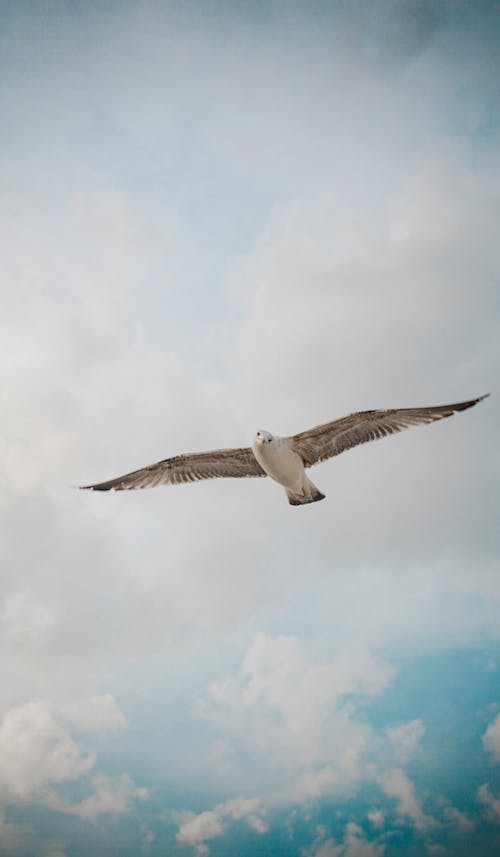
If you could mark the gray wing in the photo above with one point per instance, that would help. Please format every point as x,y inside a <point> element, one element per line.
<point>325,441</point>
<point>187,468</point>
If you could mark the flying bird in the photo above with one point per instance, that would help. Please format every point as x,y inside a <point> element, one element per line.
<point>284,459</point>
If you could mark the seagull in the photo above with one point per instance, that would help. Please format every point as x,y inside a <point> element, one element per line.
<point>284,459</point>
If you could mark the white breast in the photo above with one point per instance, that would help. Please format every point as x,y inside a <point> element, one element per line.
<point>279,462</point>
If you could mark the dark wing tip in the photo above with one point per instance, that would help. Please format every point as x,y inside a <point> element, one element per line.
<point>92,488</point>
<point>101,486</point>
<point>462,406</point>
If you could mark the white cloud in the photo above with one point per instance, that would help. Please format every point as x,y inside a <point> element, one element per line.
<point>376,817</point>
<point>200,828</point>
<point>354,844</point>
<point>289,711</point>
<point>491,738</point>
<point>295,714</point>
<point>323,849</point>
<point>96,714</point>
<point>196,830</point>
<point>38,752</point>
<point>490,801</point>
<point>396,784</point>
<point>109,796</point>
<point>248,809</point>
<point>405,739</point>
<point>458,819</point>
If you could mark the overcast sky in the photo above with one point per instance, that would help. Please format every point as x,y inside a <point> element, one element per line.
<point>218,218</point>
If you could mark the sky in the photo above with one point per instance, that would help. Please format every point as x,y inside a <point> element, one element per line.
<point>216,218</point>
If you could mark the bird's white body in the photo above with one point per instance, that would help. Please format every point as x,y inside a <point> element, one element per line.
<point>285,466</point>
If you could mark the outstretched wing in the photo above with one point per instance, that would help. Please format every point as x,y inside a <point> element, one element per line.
<point>325,441</point>
<point>187,468</point>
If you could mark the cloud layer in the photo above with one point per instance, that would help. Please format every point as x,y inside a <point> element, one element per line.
<point>212,222</point>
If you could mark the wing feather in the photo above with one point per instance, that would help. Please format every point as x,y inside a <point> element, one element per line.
<point>192,467</point>
<point>325,441</point>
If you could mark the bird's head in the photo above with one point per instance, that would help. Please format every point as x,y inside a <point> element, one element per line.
<point>263,437</point>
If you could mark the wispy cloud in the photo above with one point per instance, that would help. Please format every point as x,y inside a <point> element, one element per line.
<point>39,752</point>
<point>396,784</point>
<point>491,738</point>
<point>405,738</point>
<point>196,830</point>
<point>354,844</point>
<point>490,801</point>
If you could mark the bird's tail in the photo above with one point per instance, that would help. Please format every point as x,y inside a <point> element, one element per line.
<point>310,494</point>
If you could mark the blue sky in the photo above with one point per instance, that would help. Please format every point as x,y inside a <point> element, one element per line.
<point>217,218</point>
